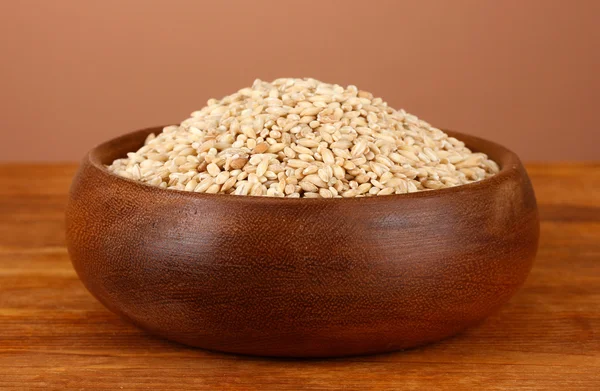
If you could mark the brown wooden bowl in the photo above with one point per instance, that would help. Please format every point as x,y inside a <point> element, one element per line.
<point>301,277</point>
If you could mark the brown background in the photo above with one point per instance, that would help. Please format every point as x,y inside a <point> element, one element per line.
<point>523,73</point>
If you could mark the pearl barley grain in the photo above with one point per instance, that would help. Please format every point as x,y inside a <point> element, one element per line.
<point>303,138</point>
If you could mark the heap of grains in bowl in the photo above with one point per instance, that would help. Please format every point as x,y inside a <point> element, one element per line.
<point>303,138</point>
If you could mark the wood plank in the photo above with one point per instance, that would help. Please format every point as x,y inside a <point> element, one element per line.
<point>55,335</point>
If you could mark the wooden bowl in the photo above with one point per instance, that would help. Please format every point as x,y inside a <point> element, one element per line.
<point>301,277</point>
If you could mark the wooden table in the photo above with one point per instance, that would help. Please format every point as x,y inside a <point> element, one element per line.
<point>54,335</point>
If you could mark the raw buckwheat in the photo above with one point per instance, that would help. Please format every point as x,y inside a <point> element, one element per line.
<point>303,138</point>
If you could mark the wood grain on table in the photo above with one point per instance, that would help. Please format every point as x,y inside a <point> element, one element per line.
<point>55,335</point>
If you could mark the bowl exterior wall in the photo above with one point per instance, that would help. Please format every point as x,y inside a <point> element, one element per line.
<point>304,278</point>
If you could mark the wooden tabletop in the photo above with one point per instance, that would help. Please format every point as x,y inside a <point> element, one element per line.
<point>55,335</point>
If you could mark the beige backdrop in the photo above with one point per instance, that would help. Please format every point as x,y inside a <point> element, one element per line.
<point>525,73</point>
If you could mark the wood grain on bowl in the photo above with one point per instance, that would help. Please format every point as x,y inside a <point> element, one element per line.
<point>301,277</point>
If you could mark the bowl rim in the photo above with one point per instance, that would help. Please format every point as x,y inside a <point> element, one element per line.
<point>508,161</point>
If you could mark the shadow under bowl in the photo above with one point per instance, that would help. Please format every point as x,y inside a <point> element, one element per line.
<point>301,277</point>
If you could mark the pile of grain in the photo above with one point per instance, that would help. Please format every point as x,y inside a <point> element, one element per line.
<point>303,138</point>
